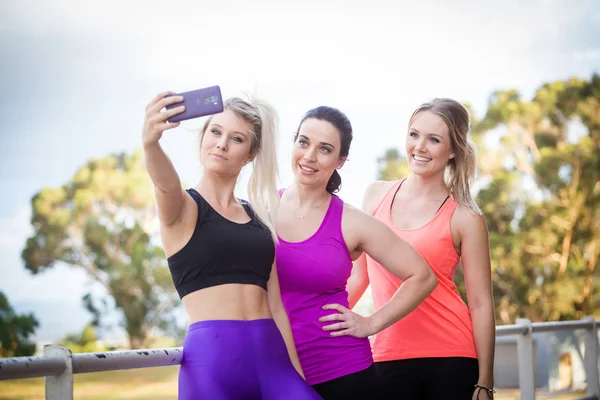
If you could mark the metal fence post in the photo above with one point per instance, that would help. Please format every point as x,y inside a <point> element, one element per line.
<point>591,358</point>
<point>60,387</point>
<point>526,361</point>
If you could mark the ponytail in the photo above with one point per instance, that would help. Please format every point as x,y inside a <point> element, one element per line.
<point>460,175</point>
<point>262,186</point>
<point>335,183</point>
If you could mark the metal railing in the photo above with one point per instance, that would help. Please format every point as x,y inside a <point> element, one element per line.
<point>58,365</point>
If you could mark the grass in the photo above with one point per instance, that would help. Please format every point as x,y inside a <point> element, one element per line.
<point>133,384</point>
<point>154,384</point>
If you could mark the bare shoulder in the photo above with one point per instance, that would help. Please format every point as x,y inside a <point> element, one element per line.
<point>469,222</point>
<point>351,213</point>
<point>374,193</point>
<point>357,225</point>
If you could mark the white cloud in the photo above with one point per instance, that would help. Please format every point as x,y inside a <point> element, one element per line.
<point>587,55</point>
<point>375,61</point>
<point>93,65</point>
<point>282,42</point>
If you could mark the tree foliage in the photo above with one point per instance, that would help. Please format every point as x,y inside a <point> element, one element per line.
<point>15,331</point>
<point>84,342</point>
<point>103,221</point>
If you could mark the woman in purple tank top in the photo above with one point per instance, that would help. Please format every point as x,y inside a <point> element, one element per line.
<point>319,237</point>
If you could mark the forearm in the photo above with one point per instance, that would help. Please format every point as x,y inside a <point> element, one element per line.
<point>355,291</point>
<point>358,282</point>
<point>283,323</point>
<point>408,296</point>
<point>161,169</point>
<point>484,332</point>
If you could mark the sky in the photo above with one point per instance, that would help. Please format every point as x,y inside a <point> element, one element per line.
<point>76,76</point>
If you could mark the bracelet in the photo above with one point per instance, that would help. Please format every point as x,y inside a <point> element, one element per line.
<point>489,391</point>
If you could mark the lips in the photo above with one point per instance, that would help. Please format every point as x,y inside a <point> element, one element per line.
<point>307,169</point>
<point>218,156</point>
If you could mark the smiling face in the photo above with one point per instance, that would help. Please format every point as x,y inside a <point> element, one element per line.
<point>226,144</point>
<point>428,144</point>
<point>316,152</point>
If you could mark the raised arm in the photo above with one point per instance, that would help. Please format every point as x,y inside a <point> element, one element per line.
<point>167,186</point>
<point>398,257</point>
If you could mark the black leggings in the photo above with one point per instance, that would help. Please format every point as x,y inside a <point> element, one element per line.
<point>448,378</point>
<point>357,386</point>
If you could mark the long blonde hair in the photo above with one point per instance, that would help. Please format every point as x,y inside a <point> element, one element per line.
<point>262,186</point>
<point>460,170</point>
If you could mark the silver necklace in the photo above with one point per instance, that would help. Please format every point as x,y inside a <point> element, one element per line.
<point>311,210</point>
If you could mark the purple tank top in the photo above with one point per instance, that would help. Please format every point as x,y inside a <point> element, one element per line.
<point>313,273</point>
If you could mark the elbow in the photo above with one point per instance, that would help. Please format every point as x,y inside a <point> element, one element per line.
<point>483,304</point>
<point>424,279</point>
<point>277,309</point>
<point>431,281</point>
<point>427,280</point>
<point>280,316</point>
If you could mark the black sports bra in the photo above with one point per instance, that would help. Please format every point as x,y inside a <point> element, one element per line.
<point>221,251</point>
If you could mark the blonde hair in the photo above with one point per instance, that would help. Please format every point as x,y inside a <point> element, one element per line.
<point>460,170</point>
<point>262,186</point>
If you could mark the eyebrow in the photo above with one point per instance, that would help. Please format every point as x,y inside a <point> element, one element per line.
<point>430,134</point>
<point>323,143</point>
<point>238,132</point>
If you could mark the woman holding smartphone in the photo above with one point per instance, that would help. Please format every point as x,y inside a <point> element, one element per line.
<point>319,236</point>
<point>221,256</point>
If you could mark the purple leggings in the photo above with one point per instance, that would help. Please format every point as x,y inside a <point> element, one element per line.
<point>239,360</point>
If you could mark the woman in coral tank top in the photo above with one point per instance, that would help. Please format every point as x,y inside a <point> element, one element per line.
<point>444,349</point>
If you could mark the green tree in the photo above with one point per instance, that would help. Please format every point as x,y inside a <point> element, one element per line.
<point>103,221</point>
<point>392,166</point>
<point>85,342</point>
<point>15,331</point>
<point>555,231</point>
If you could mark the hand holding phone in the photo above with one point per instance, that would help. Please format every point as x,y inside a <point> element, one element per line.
<point>198,103</point>
<point>155,121</point>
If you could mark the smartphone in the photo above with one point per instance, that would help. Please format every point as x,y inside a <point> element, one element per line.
<point>198,103</point>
